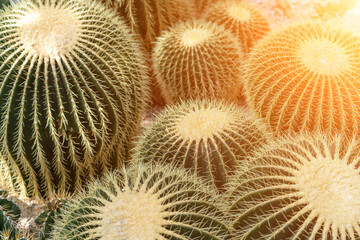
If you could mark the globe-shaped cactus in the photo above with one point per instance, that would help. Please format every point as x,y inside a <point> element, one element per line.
<point>303,187</point>
<point>144,202</point>
<point>246,22</point>
<point>198,59</point>
<point>211,138</point>
<point>306,77</point>
<point>72,92</point>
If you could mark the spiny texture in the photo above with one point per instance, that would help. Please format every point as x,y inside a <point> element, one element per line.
<point>306,187</point>
<point>9,214</point>
<point>149,18</point>
<point>210,137</point>
<point>306,77</point>
<point>198,59</point>
<point>246,22</point>
<point>144,202</point>
<point>4,3</point>
<point>72,92</point>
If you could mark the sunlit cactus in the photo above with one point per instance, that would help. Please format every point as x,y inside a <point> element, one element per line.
<point>304,187</point>
<point>306,77</point>
<point>211,138</point>
<point>149,18</point>
<point>72,92</point>
<point>144,202</point>
<point>246,22</point>
<point>198,59</point>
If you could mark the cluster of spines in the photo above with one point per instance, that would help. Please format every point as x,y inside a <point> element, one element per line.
<point>144,202</point>
<point>302,187</point>
<point>209,137</point>
<point>245,21</point>
<point>306,77</point>
<point>198,60</point>
<point>68,108</point>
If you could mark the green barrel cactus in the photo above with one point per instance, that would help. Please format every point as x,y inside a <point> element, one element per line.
<point>210,137</point>
<point>301,187</point>
<point>72,92</point>
<point>144,202</point>
<point>9,214</point>
<point>198,60</point>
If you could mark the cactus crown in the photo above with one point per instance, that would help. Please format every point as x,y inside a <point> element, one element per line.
<point>48,31</point>
<point>144,202</point>
<point>302,187</point>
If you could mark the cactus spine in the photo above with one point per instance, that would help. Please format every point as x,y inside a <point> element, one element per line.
<point>306,77</point>
<point>72,90</point>
<point>198,59</point>
<point>144,202</point>
<point>303,187</point>
<point>149,18</point>
<point>211,138</point>
<point>246,22</point>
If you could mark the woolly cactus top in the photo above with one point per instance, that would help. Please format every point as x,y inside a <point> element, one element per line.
<point>49,30</point>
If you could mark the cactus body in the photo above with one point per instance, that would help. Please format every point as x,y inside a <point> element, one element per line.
<point>9,214</point>
<point>306,77</point>
<point>72,91</point>
<point>144,202</point>
<point>246,22</point>
<point>305,187</point>
<point>211,138</point>
<point>149,18</point>
<point>198,59</point>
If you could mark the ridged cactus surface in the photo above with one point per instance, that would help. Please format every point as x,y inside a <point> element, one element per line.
<point>211,138</point>
<point>198,59</point>
<point>72,91</point>
<point>245,21</point>
<point>149,18</point>
<point>144,202</point>
<point>306,77</point>
<point>305,187</point>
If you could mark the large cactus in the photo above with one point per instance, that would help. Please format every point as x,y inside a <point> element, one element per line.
<point>72,91</point>
<point>306,76</point>
<point>212,138</point>
<point>144,202</point>
<point>303,187</point>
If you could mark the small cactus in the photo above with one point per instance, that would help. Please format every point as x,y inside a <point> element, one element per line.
<point>246,22</point>
<point>305,77</point>
<point>144,202</point>
<point>48,216</point>
<point>9,214</point>
<point>198,59</point>
<point>302,187</point>
<point>72,93</point>
<point>211,138</point>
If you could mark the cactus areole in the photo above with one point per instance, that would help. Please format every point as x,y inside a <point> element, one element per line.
<point>71,93</point>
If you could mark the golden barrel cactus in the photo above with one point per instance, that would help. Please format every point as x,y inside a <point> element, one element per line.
<point>144,202</point>
<point>198,60</point>
<point>306,77</point>
<point>303,187</point>
<point>212,138</point>
<point>72,92</point>
<point>245,21</point>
